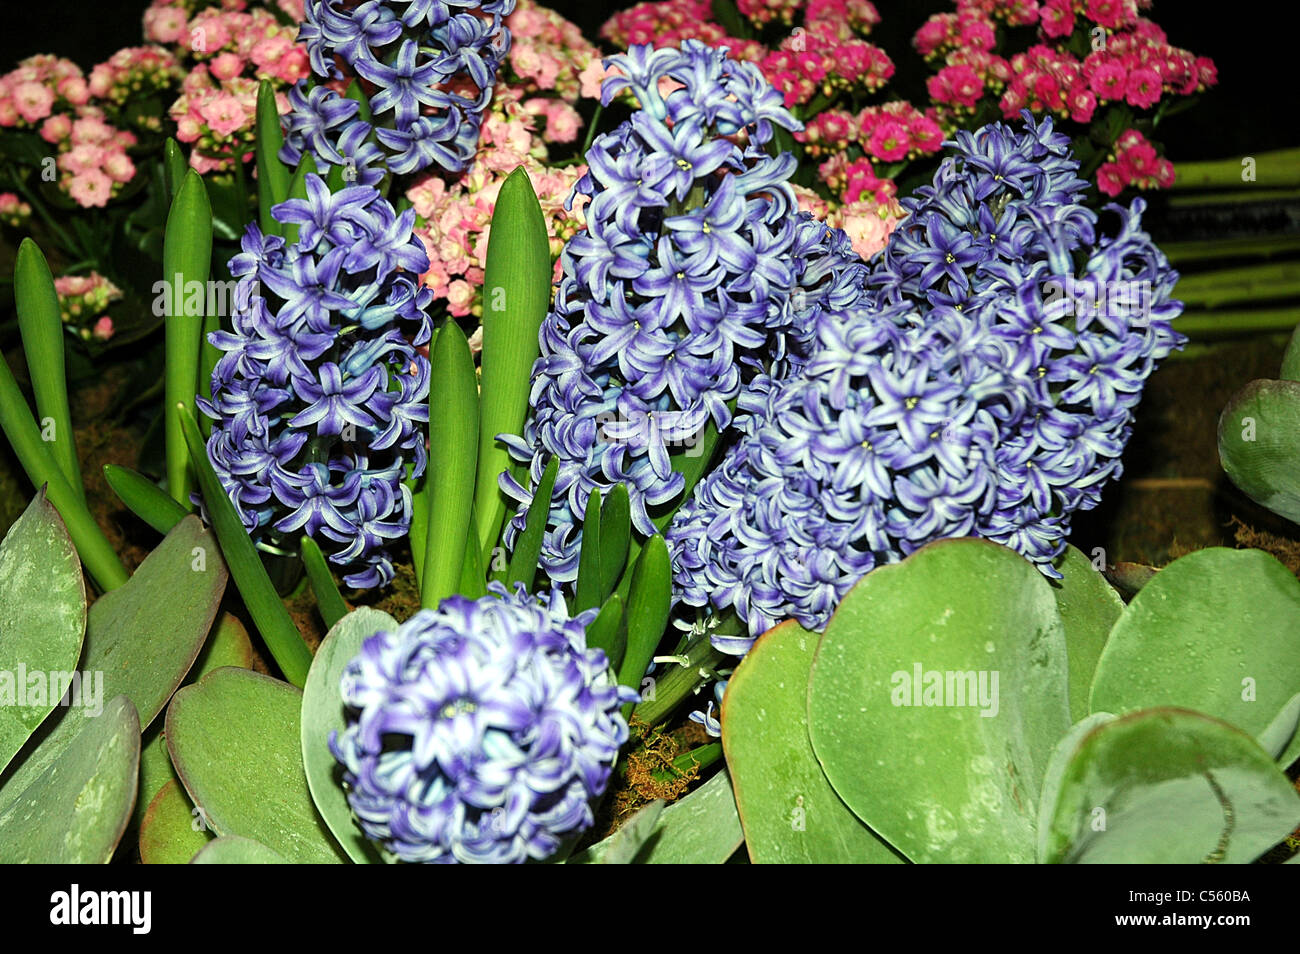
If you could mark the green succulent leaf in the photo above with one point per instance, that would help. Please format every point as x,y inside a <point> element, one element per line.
<point>235,850</point>
<point>701,829</point>
<point>322,713</point>
<point>141,640</point>
<point>1216,631</point>
<point>1165,786</point>
<point>76,811</point>
<point>937,693</point>
<point>1259,444</point>
<point>788,810</point>
<point>1089,607</point>
<point>42,618</point>
<point>621,847</point>
<point>172,830</point>
<point>235,740</point>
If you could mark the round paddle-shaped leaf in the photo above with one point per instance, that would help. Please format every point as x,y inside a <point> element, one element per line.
<point>42,620</point>
<point>1216,631</point>
<point>789,811</point>
<point>1259,444</point>
<point>77,809</point>
<point>937,693</point>
<point>1166,786</point>
<point>1089,607</point>
<point>322,713</point>
<point>234,850</point>
<point>235,742</point>
<point>173,829</point>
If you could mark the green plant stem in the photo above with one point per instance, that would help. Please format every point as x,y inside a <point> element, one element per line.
<point>681,680</point>
<point>1278,168</point>
<point>1225,324</point>
<point>1180,253</point>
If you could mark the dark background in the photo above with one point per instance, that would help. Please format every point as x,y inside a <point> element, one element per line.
<point>1252,109</point>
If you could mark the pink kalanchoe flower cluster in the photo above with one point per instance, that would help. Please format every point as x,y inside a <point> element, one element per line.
<point>231,39</point>
<point>38,87</point>
<point>548,54</point>
<point>1134,162</point>
<point>13,210</point>
<point>823,54</point>
<point>217,118</point>
<point>92,155</point>
<point>453,215</point>
<point>135,70</point>
<point>227,50</point>
<point>81,297</point>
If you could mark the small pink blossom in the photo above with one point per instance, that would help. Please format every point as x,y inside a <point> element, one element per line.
<point>90,189</point>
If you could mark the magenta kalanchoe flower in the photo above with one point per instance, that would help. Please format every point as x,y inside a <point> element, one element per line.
<point>985,388</point>
<point>320,398</point>
<point>677,295</point>
<point>431,66</point>
<point>480,732</point>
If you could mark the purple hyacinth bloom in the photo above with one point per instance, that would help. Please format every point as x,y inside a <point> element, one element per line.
<point>480,732</point>
<point>431,65</point>
<point>320,397</point>
<point>985,387</point>
<point>678,294</point>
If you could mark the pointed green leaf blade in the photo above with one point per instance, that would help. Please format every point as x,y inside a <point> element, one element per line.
<point>144,498</point>
<point>187,262</point>
<point>41,323</point>
<point>328,601</point>
<point>615,535</point>
<point>453,443</point>
<point>587,587</point>
<point>272,174</point>
<point>269,614</point>
<point>528,546</point>
<point>516,295</point>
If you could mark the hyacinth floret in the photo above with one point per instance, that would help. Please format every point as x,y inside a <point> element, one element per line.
<point>984,386</point>
<point>428,70</point>
<point>320,398</point>
<point>480,732</point>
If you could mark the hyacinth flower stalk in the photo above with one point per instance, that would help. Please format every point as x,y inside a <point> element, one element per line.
<point>985,387</point>
<point>480,732</point>
<point>431,67</point>
<point>675,297</point>
<point>319,397</point>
